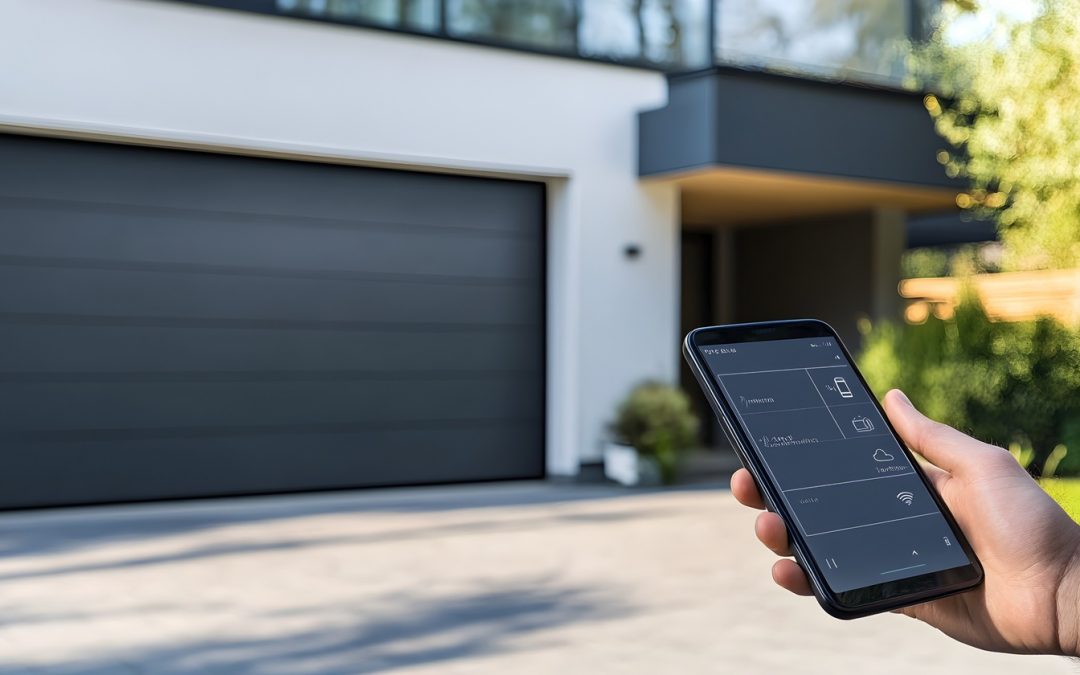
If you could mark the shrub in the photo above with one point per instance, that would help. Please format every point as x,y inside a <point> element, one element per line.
<point>1006,383</point>
<point>657,420</point>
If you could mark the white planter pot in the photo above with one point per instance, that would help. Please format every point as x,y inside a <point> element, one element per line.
<point>624,465</point>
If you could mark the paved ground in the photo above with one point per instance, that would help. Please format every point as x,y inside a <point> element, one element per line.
<point>525,578</point>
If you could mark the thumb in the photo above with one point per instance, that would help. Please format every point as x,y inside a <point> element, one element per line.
<point>939,443</point>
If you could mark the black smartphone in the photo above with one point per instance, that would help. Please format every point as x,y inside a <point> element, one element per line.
<point>864,521</point>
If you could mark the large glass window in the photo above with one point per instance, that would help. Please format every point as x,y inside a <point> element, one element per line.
<point>865,40</point>
<point>665,32</point>
<point>544,24</point>
<point>670,34</point>
<point>662,32</point>
<point>421,15</point>
<point>858,39</point>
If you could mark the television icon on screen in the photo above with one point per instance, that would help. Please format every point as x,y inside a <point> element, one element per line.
<point>862,424</point>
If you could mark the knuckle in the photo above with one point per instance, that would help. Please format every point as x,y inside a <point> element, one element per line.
<point>1000,458</point>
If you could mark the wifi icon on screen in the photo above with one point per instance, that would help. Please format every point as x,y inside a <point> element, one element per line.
<point>905,497</point>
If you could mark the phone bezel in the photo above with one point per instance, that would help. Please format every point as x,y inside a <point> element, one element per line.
<point>846,604</point>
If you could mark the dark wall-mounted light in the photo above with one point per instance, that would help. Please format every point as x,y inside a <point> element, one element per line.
<point>632,251</point>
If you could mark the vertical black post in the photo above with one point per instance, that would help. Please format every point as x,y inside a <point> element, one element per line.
<point>440,28</point>
<point>711,41</point>
<point>915,21</point>
<point>575,26</point>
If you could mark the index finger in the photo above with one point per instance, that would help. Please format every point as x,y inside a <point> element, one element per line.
<point>745,490</point>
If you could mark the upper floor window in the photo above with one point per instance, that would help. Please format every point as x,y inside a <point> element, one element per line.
<point>852,39</point>
<point>855,39</point>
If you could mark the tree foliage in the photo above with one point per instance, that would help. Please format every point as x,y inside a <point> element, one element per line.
<point>1009,110</point>
<point>1006,383</point>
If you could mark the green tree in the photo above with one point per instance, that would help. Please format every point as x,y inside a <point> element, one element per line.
<point>1009,112</point>
<point>1002,382</point>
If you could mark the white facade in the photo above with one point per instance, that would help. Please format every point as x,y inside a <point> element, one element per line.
<point>188,76</point>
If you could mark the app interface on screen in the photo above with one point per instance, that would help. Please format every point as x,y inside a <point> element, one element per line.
<point>865,514</point>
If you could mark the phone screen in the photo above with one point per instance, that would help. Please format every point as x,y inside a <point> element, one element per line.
<point>864,513</point>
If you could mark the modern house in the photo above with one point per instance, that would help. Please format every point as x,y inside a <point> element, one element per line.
<point>250,246</point>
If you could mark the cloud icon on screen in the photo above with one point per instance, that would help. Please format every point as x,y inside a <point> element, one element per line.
<point>882,456</point>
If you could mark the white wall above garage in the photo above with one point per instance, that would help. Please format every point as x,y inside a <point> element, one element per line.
<point>176,74</point>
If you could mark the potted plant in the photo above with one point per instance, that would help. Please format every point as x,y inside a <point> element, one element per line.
<point>652,427</point>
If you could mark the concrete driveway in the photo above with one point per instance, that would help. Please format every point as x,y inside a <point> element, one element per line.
<point>512,578</point>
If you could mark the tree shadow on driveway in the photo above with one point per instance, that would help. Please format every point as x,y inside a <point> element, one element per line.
<point>422,631</point>
<point>225,548</point>
<point>62,530</point>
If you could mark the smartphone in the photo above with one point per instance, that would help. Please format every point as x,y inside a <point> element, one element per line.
<point>865,524</point>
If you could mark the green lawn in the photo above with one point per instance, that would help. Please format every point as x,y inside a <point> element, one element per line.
<point>1065,491</point>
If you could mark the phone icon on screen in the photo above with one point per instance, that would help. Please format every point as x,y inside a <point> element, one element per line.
<point>842,387</point>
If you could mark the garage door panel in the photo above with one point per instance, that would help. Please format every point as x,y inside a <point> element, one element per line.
<point>104,404</point>
<point>110,174</point>
<point>91,292</point>
<point>182,324</point>
<point>32,350</point>
<point>205,466</point>
<point>48,229</point>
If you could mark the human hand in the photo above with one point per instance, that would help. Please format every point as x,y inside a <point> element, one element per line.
<point>1029,601</point>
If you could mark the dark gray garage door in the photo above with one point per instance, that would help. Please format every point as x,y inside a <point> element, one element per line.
<point>180,324</point>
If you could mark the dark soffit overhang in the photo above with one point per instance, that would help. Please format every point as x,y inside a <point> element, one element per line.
<point>736,117</point>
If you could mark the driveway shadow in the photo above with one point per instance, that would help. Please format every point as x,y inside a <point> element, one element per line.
<point>424,631</point>
<point>231,548</point>
<point>64,530</point>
